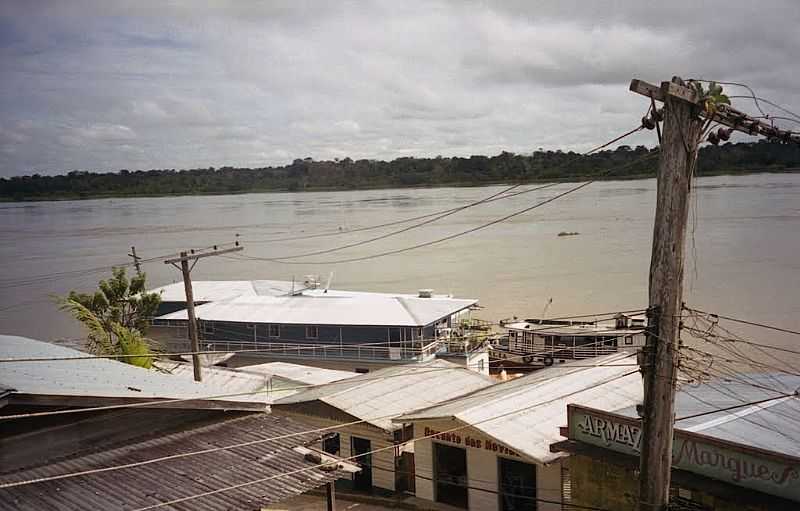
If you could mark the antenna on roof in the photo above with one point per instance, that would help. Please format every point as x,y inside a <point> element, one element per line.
<point>547,306</point>
<point>328,285</point>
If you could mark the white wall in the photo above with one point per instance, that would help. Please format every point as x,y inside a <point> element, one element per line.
<point>482,469</point>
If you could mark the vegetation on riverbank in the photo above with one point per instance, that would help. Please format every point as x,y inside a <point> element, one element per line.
<point>348,174</point>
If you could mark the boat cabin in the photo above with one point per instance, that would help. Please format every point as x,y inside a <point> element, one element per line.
<point>546,341</point>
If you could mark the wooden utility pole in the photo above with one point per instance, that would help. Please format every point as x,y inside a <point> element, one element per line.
<point>136,262</point>
<point>684,117</point>
<point>330,493</point>
<point>682,129</point>
<point>187,285</point>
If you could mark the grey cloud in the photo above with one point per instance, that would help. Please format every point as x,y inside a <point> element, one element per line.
<point>105,85</point>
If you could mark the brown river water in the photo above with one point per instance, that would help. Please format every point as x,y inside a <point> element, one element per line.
<point>743,248</point>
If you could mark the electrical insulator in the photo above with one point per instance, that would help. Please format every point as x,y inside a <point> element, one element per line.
<point>724,134</point>
<point>712,137</point>
<point>648,123</point>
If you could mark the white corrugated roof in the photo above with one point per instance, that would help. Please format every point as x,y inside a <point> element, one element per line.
<point>378,396</point>
<point>526,413</point>
<point>332,308</point>
<point>773,425</point>
<point>94,377</point>
<point>299,373</point>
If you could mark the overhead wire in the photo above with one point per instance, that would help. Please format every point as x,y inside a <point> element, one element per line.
<point>508,194</point>
<point>432,242</point>
<point>350,458</point>
<point>600,317</point>
<point>495,391</point>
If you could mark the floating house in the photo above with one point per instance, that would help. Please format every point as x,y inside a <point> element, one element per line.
<point>490,449</point>
<point>726,454</point>
<point>362,409</point>
<point>543,342</point>
<point>308,324</point>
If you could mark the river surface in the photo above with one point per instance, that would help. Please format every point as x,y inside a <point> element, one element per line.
<point>743,248</point>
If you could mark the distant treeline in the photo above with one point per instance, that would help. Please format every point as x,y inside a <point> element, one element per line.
<point>308,174</point>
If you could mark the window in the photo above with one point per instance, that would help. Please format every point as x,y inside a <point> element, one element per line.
<point>629,340</point>
<point>481,366</point>
<point>274,330</point>
<point>251,326</point>
<point>208,328</point>
<point>361,370</point>
<point>517,485</point>
<point>331,443</point>
<point>312,332</point>
<point>420,335</point>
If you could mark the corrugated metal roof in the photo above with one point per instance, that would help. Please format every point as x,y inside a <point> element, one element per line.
<point>773,426</point>
<point>299,373</point>
<point>155,483</point>
<point>101,378</point>
<point>329,309</point>
<point>533,430</point>
<point>378,396</point>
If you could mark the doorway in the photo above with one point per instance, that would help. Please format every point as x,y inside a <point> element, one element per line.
<point>450,474</point>
<point>517,485</point>
<point>360,449</point>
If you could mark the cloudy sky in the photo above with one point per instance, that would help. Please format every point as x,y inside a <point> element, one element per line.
<point>140,85</point>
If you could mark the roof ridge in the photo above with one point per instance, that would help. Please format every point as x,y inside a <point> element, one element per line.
<point>402,301</point>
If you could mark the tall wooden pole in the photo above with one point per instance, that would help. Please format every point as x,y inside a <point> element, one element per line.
<point>136,262</point>
<point>682,127</point>
<point>330,493</point>
<point>194,342</point>
<point>187,286</point>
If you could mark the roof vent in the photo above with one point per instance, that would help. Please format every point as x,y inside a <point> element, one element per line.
<point>425,293</point>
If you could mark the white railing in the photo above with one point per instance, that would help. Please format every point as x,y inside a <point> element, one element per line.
<point>403,352</point>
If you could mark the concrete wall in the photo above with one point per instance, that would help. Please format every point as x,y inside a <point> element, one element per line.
<point>383,461</point>
<point>482,469</point>
<point>598,483</point>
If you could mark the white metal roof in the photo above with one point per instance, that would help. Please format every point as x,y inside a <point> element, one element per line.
<point>94,377</point>
<point>773,425</point>
<point>332,308</point>
<point>579,330</point>
<point>299,373</point>
<point>526,413</point>
<point>378,396</point>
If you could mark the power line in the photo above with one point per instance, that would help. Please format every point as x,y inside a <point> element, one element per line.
<point>751,323</point>
<point>600,317</point>
<point>394,446</point>
<point>249,443</point>
<point>498,195</point>
<point>564,505</point>
<point>159,402</point>
<point>450,210</point>
<point>728,408</point>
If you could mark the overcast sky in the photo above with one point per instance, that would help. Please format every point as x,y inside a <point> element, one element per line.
<point>140,85</point>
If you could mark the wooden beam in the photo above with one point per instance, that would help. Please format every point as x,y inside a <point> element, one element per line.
<point>647,89</point>
<point>96,401</point>
<point>203,254</point>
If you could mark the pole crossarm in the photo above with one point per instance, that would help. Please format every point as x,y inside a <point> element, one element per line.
<point>725,114</point>
<point>201,255</point>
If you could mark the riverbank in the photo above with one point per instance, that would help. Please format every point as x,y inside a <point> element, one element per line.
<point>456,184</point>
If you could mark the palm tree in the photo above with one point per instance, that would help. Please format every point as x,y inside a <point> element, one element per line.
<point>111,338</point>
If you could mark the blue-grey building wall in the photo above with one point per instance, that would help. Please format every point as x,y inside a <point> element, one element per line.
<point>327,334</point>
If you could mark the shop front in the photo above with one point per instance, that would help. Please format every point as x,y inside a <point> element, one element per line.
<point>709,473</point>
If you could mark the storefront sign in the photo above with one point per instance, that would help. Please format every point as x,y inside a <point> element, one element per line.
<point>710,457</point>
<point>471,441</point>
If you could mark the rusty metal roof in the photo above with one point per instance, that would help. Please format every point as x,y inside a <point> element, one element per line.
<point>147,485</point>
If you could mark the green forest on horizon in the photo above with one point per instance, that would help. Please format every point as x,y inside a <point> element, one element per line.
<point>348,174</point>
